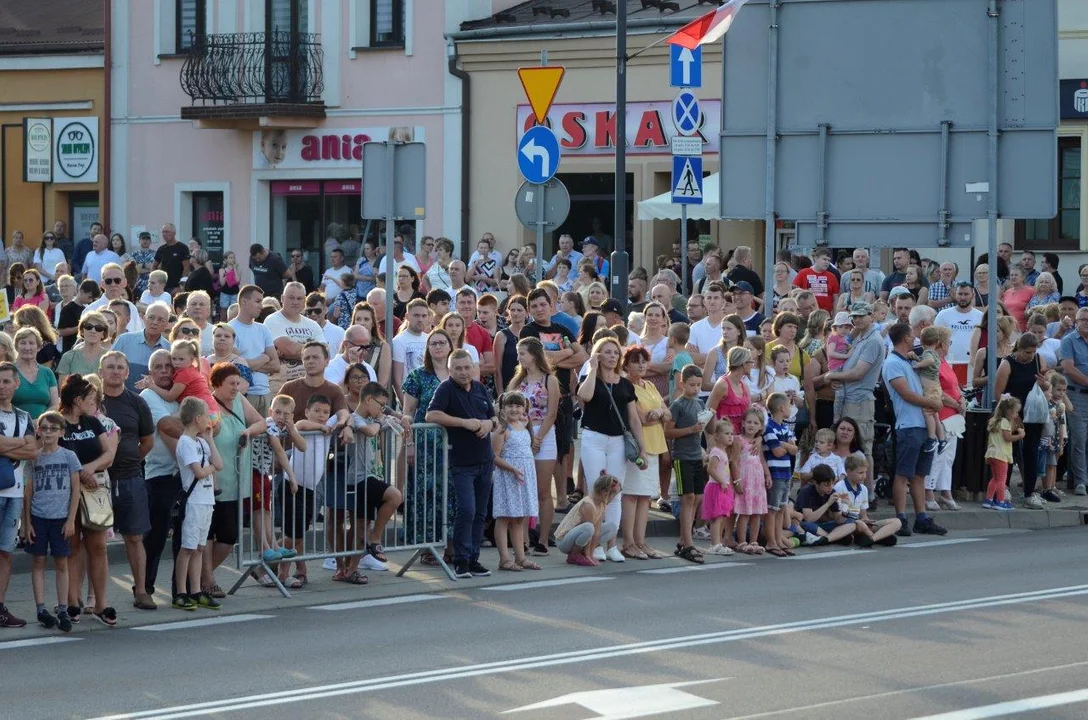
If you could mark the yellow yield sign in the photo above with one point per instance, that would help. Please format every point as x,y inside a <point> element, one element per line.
<point>541,84</point>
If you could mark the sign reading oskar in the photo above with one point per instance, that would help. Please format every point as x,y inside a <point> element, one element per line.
<point>37,150</point>
<point>75,150</point>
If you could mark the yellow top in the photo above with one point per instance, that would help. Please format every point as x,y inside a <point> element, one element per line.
<point>999,448</point>
<point>653,436</point>
<point>794,368</point>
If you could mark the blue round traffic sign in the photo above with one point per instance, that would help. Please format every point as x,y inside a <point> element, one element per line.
<point>538,154</point>
<point>685,112</point>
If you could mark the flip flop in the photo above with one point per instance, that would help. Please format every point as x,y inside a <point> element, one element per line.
<point>777,552</point>
<point>301,577</point>
<point>356,578</point>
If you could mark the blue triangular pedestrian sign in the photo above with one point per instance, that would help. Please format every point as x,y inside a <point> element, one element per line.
<point>687,180</point>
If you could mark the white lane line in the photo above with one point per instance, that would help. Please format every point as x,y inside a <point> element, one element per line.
<point>14,644</point>
<point>939,543</point>
<point>379,602</point>
<point>824,555</point>
<point>693,568</point>
<point>1013,707</point>
<point>203,622</point>
<point>281,697</point>
<point>546,583</point>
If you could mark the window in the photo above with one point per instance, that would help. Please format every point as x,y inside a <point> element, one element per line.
<point>189,18</point>
<point>386,23</point>
<point>208,223</point>
<point>1062,232</point>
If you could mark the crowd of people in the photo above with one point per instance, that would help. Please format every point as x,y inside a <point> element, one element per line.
<point>174,395</point>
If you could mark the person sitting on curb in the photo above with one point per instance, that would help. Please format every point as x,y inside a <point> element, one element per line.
<point>854,503</point>
<point>582,530</point>
<point>818,503</point>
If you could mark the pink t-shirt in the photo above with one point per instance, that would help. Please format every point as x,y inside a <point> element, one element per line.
<point>196,385</point>
<point>950,386</point>
<point>840,344</point>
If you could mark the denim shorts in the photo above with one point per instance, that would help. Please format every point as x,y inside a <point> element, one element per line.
<point>11,509</point>
<point>778,495</point>
<point>910,461</point>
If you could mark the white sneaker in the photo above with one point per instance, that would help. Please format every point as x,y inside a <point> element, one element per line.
<point>947,503</point>
<point>614,554</point>
<point>1033,502</point>
<point>811,539</point>
<point>701,533</point>
<point>369,562</point>
<point>932,505</point>
<point>598,554</point>
<point>719,550</point>
<point>329,564</point>
<point>1080,490</point>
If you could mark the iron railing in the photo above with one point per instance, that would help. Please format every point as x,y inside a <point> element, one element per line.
<point>233,68</point>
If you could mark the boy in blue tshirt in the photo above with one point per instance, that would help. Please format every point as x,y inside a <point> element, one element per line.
<point>779,448</point>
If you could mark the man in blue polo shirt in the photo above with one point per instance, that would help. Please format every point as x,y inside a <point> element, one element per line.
<point>1073,358</point>
<point>463,406</point>
<point>911,463</point>
<point>140,345</point>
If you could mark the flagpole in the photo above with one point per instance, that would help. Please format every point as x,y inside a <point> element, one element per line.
<point>620,265</point>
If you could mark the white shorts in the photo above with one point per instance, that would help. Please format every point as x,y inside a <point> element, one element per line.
<point>548,449</point>
<point>195,526</point>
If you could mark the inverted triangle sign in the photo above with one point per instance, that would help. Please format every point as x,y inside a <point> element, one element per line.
<point>540,85</point>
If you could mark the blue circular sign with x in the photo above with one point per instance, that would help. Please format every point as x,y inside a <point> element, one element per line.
<point>685,113</point>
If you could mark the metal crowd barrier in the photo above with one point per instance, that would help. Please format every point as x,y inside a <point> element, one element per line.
<point>338,497</point>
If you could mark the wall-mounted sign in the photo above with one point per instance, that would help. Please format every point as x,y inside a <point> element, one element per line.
<point>323,148</point>
<point>75,150</point>
<point>1074,99</point>
<point>37,150</point>
<point>590,128</point>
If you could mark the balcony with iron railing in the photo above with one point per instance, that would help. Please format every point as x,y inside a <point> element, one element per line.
<point>254,79</point>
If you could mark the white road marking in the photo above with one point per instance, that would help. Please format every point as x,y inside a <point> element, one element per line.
<point>692,568</point>
<point>939,543</point>
<point>825,554</point>
<point>203,622</point>
<point>546,583</point>
<point>631,702</point>
<point>281,697</point>
<point>1013,707</point>
<point>379,602</point>
<point>14,644</point>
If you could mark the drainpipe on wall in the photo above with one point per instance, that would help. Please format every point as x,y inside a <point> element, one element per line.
<point>466,141</point>
<point>107,116</point>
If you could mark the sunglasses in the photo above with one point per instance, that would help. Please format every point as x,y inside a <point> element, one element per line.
<point>112,281</point>
<point>96,328</point>
<point>314,311</point>
<point>189,330</point>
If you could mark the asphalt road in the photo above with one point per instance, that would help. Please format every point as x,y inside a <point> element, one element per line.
<point>917,631</point>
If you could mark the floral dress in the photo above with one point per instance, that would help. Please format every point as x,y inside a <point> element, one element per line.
<point>429,466</point>
<point>346,302</point>
<point>142,257</point>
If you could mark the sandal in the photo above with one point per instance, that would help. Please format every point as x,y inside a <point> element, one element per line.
<point>777,552</point>
<point>528,564</point>
<point>291,583</point>
<point>757,549</point>
<point>376,551</point>
<point>301,577</point>
<point>510,566</point>
<point>356,578</point>
<point>633,552</point>
<point>574,497</point>
<point>340,575</point>
<point>428,559</point>
<point>746,548</point>
<point>214,591</point>
<point>651,553</point>
<point>691,553</point>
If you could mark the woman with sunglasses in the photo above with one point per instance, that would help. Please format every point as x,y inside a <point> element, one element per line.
<point>84,357</point>
<point>855,290</point>
<point>47,256</point>
<point>33,292</point>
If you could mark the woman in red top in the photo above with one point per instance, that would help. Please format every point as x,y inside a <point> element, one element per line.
<point>730,398</point>
<point>939,480</point>
<point>33,292</point>
<point>1017,296</point>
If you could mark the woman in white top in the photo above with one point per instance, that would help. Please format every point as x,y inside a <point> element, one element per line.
<point>47,256</point>
<point>1048,346</point>
<point>655,338</point>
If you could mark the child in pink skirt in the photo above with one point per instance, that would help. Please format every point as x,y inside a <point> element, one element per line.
<point>718,496</point>
<point>755,478</point>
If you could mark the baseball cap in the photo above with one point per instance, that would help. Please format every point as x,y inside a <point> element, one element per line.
<point>843,318</point>
<point>898,291</point>
<point>143,234</point>
<point>611,306</point>
<point>744,286</point>
<point>858,309</point>
<point>590,241</point>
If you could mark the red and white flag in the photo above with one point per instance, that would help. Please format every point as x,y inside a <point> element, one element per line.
<point>707,28</point>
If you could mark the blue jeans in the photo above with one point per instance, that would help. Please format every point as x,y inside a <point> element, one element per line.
<point>11,511</point>
<point>472,488</point>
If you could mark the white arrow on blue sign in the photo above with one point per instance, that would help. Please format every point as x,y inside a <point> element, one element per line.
<point>687,180</point>
<point>685,112</point>
<point>538,154</point>
<point>685,67</point>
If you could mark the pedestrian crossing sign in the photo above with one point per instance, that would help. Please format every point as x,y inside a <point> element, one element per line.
<point>687,180</point>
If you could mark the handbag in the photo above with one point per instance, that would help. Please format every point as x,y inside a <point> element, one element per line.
<point>631,449</point>
<point>96,506</point>
<point>7,465</point>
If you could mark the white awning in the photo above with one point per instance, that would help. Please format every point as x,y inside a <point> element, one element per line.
<point>662,207</point>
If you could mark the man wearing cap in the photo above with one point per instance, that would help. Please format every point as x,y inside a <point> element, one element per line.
<point>612,312</point>
<point>591,251</point>
<point>744,302</point>
<point>858,377</point>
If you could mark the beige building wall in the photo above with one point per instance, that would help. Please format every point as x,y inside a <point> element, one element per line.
<point>590,78</point>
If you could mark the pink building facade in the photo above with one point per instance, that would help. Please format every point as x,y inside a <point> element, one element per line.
<point>242,121</point>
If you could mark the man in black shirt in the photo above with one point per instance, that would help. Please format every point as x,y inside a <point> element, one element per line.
<point>131,511</point>
<point>173,257</point>
<point>269,270</point>
<point>303,272</point>
<point>743,271</point>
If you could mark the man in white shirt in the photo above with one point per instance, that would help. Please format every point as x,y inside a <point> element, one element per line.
<point>566,252</point>
<point>961,318</point>
<point>113,286</point>
<point>410,345</point>
<point>874,279</point>
<point>98,258</point>
<point>351,347</point>
<point>400,257</point>
<point>458,274</point>
<point>160,465</point>
<point>331,277</point>
<point>290,331</point>
<point>316,311</point>
<point>254,343</point>
<point>707,333</point>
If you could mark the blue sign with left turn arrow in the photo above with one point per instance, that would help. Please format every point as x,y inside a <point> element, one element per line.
<point>538,154</point>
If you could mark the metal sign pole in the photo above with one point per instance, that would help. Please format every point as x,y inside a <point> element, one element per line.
<point>540,224</point>
<point>390,288</point>
<point>619,270</point>
<point>684,248</point>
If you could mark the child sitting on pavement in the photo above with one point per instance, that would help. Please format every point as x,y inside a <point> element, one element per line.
<point>819,506</point>
<point>854,504</point>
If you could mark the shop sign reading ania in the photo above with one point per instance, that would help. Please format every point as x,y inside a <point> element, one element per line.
<point>590,128</point>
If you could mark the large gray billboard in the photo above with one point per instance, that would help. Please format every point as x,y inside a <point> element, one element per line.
<point>881,110</point>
